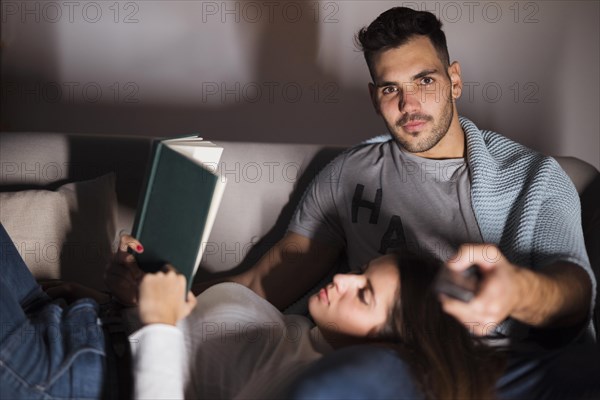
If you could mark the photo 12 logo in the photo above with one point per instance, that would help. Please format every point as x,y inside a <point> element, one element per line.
<point>270,92</point>
<point>70,92</point>
<point>525,12</point>
<point>493,92</point>
<point>270,11</point>
<point>69,11</point>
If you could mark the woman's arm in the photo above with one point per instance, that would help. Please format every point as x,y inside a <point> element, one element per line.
<point>158,349</point>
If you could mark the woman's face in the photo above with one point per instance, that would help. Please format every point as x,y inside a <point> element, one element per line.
<point>357,304</point>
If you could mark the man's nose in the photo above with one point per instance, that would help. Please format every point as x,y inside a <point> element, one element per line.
<point>409,98</point>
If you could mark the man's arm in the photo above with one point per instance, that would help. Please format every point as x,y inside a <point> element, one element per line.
<point>296,263</point>
<point>557,295</point>
<point>287,271</point>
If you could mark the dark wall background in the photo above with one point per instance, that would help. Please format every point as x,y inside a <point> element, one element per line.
<point>288,71</point>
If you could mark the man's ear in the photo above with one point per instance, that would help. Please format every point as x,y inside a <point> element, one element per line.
<point>373,95</point>
<point>455,80</point>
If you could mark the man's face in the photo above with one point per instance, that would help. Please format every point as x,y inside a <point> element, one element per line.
<point>414,94</point>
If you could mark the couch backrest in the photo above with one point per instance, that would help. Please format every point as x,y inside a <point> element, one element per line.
<point>265,182</point>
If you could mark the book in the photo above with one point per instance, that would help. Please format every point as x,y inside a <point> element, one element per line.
<point>179,204</point>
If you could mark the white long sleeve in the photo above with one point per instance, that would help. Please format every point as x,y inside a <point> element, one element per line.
<point>234,344</point>
<point>158,352</point>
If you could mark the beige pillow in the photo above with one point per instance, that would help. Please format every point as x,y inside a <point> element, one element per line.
<point>64,234</point>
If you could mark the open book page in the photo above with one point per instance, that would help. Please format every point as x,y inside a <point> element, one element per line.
<point>201,151</point>
<point>210,219</point>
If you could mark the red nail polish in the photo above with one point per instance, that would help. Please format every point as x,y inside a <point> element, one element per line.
<point>140,248</point>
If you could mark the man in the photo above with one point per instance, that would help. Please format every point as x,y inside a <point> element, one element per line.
<point>438,184</point>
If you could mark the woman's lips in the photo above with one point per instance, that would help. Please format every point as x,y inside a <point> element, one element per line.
<point>323,296</point>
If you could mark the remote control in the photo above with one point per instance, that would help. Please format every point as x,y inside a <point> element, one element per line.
<point>462,286</point>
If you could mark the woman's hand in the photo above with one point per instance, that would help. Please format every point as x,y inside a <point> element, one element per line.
<point>123,275</point>
<point>162,300</point>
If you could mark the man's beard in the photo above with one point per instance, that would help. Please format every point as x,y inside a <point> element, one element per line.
<point>438,131</point>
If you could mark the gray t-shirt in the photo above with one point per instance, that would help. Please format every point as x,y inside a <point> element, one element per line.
<point>377,197</point>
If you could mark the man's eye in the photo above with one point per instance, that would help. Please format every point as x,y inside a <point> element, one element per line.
<point>427,81</point>
<point>388,90</point>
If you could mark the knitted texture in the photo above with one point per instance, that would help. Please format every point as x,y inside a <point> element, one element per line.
<point>524,203</point>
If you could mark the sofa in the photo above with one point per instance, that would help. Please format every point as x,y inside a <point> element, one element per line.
<point>67,230</point>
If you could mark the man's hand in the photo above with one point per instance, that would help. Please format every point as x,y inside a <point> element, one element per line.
<point>123,276</point>
<point>557,295</point>
<point>161,298</point>
<point>499,289</point>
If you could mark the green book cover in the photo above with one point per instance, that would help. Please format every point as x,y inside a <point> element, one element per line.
<point>177,210</point>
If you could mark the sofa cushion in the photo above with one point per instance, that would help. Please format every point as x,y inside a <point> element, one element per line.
<point>64,234</point>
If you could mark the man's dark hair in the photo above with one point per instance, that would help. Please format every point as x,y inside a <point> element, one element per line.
<point>397,26</point>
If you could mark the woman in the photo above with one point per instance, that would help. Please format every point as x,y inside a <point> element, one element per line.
<point>240,346</point>
<point>233,343</point>
<point>49,349</point>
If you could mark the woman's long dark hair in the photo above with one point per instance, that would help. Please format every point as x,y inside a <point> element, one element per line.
<point>447,362</point>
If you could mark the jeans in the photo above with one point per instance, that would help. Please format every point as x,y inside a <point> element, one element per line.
<point>357,372</point>
<point>45,351</point>
<point>374,372</point>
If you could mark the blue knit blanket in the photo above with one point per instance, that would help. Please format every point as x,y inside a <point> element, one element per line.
<point>524,203</point>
